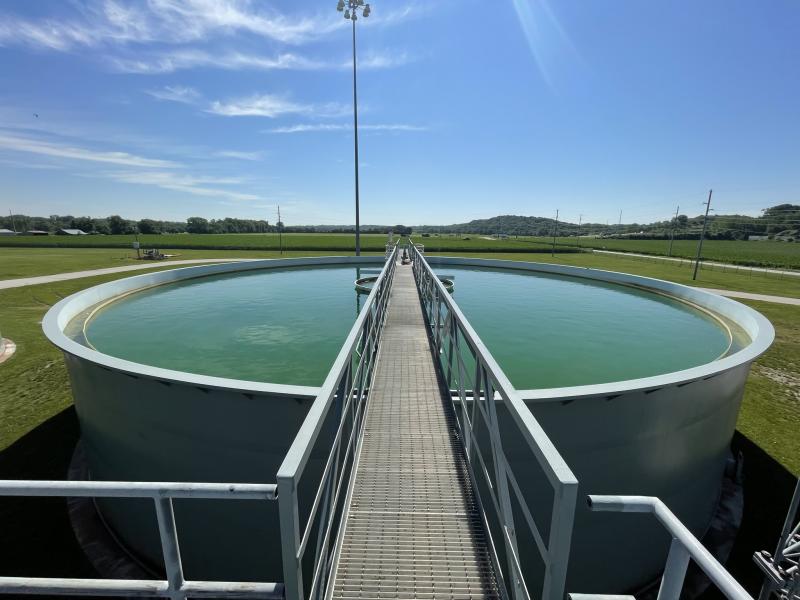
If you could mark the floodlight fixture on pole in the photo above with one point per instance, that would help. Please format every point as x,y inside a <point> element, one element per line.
<point>351,8</point>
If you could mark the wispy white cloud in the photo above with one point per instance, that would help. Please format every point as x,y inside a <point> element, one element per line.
<point>381,60</point>
<point>190,184</point>
<point>239,155</point>
<point>171,61</point>
<point>110,22</point>
<point>315,127</point>
<point>271,106</point>
<point>176,93</point>
<point>47,148</point>
<point>124,28</point>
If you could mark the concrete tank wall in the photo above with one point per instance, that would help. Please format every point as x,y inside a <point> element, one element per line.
<point>666,436</point>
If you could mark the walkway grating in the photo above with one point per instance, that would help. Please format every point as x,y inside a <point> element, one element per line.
<point>413,529</point>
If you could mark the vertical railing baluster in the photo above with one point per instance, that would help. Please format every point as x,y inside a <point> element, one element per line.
<point>290,538</point>
<point>169,547</point>
<point>674,572</point>
<point>503,496</point>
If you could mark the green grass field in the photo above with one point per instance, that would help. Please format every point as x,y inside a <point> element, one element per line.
<point>767,254</point>
<point>783,255</point>
<point>35,386</point>
<point>31,262</point>
<point>211,241</point>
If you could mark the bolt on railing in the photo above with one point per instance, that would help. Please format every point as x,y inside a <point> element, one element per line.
<point>175,586</point>
<point>345,391</point>
<point>481,387</point>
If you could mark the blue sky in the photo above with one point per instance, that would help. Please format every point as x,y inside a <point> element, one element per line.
<point>176,108</point>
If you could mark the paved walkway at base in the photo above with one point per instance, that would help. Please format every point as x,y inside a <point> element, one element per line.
<point>413,529</point>
<point>23,281</point>
<point>750,296</point>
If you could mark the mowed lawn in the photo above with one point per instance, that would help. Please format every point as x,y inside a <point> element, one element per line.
<point>31,262</point>
<point>34,384</point>
<point>211,241</point>
<point>784,255</point>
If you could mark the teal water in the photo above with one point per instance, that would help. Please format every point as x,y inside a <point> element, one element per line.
<point>279,326</point>
<point>553,331</point>
<point>287,326</point>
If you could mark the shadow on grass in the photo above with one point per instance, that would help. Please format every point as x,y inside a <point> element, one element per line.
<point>37,538</point>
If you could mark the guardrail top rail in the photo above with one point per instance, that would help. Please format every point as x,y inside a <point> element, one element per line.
<point>684,547</point>
<point>479,387</point>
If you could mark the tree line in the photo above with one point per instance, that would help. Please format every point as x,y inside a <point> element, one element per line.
<point>116,225</point>
<point>782,221</point>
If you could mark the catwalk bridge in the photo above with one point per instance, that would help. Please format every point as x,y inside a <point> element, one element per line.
<point>414,497</point>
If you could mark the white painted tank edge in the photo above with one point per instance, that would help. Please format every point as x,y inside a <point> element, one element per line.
<point>758,327</point>
<point>65,310</point>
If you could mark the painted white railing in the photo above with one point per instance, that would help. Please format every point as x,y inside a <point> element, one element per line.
<point>175,586</point>
<point>338,407</point>
<point>684,547</point>
<point>481,386</point>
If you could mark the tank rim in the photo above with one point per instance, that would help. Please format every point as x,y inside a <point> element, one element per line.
<point>757,326</point>
<point>60,314</point>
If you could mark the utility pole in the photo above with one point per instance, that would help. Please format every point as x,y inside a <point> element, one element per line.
<point>580,220</point>
<point>13,224</point>
<point>672,233</point>
<point>555,233</point>
<point>280,229</point>
<point>702,235</point>
<point>619,224</point>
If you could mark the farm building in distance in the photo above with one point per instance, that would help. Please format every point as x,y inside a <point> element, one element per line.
<point>71,232</point>
<point>37,232</point>
<point>7,232</point>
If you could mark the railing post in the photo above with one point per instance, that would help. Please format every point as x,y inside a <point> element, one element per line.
<point>565,496</point>
<point>674,572</point>
<point>290,538</point>
<point>501,482</point>
<point>169,547</point>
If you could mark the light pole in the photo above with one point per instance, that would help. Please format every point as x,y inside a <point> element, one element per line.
<point>350,9</point>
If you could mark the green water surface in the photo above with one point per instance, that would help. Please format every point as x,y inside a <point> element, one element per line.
<point>550,331</point>
<point>287,326</point>
<point>279,326</point>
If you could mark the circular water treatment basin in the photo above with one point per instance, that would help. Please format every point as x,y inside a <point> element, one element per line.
<point>549,330</point>
<point>206,374</point>
<point>262,325</point>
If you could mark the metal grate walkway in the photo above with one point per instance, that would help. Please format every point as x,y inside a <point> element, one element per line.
<point>413,529</point>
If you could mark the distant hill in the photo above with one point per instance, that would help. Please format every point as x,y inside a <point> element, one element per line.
<point>782,222</point>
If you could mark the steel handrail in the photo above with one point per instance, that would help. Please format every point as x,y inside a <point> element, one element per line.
<point>684,546</point>
<point>162,493</point>
<point>490,382</point>
<point>346,388</point>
